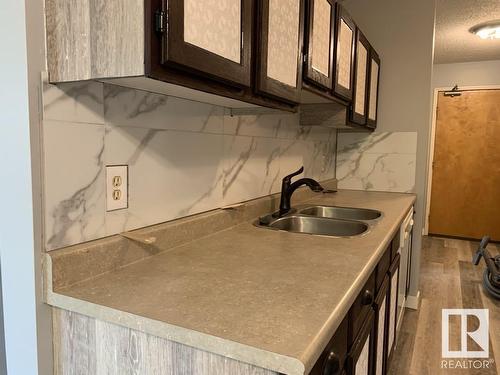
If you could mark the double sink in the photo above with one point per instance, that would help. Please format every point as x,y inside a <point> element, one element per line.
<point>322,220</point>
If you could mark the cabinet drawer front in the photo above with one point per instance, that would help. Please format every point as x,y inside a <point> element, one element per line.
<point>395,245</point>
<point>361,308</point>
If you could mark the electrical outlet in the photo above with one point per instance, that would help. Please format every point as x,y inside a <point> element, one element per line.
<point>116,187</point>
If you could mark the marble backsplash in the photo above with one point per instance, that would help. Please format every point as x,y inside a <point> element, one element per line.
<point>184,157</point>
<point>380,161</point>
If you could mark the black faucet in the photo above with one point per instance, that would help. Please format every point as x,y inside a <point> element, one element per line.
<point>287,189</point>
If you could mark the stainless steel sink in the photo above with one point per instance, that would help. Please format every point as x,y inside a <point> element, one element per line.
<point>314,225</point>
<point>350,213</point>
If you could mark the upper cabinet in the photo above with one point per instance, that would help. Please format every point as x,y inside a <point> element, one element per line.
<point>213,37</point>
<point>374,69</point>
<point>319,43</point>
<point>344,54</point>
<point>239,54</point>
<point>360,84</point>
<point>279,49</point>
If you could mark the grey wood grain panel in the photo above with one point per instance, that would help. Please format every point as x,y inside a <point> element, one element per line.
<point>90,39</point>
<point>83,345</point>
<point>325,114</point>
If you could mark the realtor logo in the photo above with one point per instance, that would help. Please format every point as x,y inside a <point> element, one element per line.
<point>479,335</point>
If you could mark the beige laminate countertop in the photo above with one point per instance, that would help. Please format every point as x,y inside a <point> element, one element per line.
<point>269,298</point>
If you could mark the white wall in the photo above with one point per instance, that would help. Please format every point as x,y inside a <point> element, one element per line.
<point>482,73</point>
<point>184,157</point>
<point>27,321</point>
<point>402,32</point>
<point>16,215</point>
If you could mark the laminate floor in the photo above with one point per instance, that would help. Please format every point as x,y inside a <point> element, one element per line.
<point>448,280</point>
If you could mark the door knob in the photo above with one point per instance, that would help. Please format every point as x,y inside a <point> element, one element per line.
<point>367,298</point>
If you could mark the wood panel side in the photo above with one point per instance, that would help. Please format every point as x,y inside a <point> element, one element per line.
<point>90,39</point>
<point>84,345</point>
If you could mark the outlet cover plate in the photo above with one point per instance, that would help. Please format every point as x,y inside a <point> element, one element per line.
<point>116,187</point>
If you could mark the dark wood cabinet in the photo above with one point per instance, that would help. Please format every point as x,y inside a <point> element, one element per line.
<point>319,43</point>
<point>345,32</point>
<point>358,110</point>
<point>360,357</point>
<point>280,27</point>
<point>364,341</point>
<point>372,105</point>
<point>361,308</point>
<point>381,307</point>
<point>393,306</point>
<point>211,37</point>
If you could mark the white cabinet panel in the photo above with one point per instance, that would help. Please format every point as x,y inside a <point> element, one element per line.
<point>283,41</point>
<point>362,364</point>
<point>214,25</point>
<point>346,35</point>
<point>362,60</point>
<point>321,26</point>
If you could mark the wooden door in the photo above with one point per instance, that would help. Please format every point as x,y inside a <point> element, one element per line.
<point>319,42</point>
<point>280,28</point>
<point>212,37</point>
<point>465,198</point>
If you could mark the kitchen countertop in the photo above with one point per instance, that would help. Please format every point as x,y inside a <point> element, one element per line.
<point>269,298</point>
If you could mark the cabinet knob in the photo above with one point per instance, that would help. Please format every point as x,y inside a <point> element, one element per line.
<point>367,298</point>
<point>332,364</point>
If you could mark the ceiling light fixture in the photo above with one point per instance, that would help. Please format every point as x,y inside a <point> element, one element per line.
<point>489,30</point>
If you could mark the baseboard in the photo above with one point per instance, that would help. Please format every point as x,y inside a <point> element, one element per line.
<point>412,302</point>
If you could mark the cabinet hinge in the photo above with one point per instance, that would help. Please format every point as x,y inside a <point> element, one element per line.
<point>304,58</point>
<point>161,21</point>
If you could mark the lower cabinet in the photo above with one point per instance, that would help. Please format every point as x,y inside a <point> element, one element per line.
<point>381,307</point>
<point>360,357</point>
<point>365,340</point>
<point>393,305</point>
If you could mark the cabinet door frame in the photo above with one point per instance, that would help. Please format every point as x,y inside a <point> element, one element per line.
<point>368,329</point>
<point>264,84</point>
<point>356,117</point>
<point>382,294</point>
<point>369,122</point>
<point>178,53</point>
<point>310,74</point>
<point>339,90</point>
<point>393,270</point>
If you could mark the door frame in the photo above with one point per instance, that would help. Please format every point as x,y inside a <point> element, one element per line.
<point>432,136</point>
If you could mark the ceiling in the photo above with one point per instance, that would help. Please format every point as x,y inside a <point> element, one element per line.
<point>454,42</point>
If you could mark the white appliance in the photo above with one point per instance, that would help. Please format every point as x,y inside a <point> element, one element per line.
<point>405,244</point>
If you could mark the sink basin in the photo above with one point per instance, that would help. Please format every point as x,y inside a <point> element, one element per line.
<point>317,225</point>
<point>334,212</point>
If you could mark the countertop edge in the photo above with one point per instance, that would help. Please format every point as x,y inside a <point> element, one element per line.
<point>213,344</point>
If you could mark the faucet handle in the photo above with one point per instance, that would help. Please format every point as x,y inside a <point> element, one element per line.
<point>289,177</point>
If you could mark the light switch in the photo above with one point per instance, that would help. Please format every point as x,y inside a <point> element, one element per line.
<point>116,187</point>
